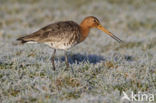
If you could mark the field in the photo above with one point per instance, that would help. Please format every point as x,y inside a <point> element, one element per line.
<point>100,68</point>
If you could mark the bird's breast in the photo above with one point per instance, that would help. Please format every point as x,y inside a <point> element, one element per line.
<point>65,42</point>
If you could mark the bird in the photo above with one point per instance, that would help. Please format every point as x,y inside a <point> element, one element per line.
<point>64,35</point>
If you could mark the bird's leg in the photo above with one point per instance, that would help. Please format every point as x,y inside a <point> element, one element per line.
<point>53,58</point>
<point>66,59</point>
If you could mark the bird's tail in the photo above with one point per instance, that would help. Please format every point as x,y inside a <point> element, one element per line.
<point>27,38</point>
<point>22,40</point>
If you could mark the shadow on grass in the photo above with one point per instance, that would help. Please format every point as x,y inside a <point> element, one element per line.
<point>91,58</point>
<point>75,58</point>
<point>78,58</point>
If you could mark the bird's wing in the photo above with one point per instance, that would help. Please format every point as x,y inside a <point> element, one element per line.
<point>53,32</point>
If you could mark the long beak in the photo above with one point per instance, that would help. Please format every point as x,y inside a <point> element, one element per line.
<point>100,27</point>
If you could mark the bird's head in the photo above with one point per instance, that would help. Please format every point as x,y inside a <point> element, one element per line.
<point>93,22</point>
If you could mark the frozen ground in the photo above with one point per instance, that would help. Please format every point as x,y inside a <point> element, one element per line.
<point>101,68</point>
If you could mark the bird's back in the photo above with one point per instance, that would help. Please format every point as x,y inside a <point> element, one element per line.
<point>65,33</point>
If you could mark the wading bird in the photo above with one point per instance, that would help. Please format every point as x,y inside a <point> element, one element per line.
<point>64,35</point>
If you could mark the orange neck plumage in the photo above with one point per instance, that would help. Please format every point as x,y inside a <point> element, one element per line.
<point>84,31</point>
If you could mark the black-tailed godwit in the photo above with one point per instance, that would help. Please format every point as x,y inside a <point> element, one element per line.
<point>65,34</point>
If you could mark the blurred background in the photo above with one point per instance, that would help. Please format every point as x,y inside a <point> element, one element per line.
<point>130,20</point>
<point>133,21</point>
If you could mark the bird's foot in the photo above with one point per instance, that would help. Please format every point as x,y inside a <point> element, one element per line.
<point>54,68</point>
<point>67,68</point>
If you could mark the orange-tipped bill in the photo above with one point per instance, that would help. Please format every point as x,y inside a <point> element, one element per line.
<point>109,33</point>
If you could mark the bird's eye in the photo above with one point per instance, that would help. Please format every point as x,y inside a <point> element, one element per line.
<point>95,21</point>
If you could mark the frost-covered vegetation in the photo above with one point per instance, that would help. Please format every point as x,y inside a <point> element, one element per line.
<point>101,68</point>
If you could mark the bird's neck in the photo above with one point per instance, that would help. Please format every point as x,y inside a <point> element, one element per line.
<point>84,31</point>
